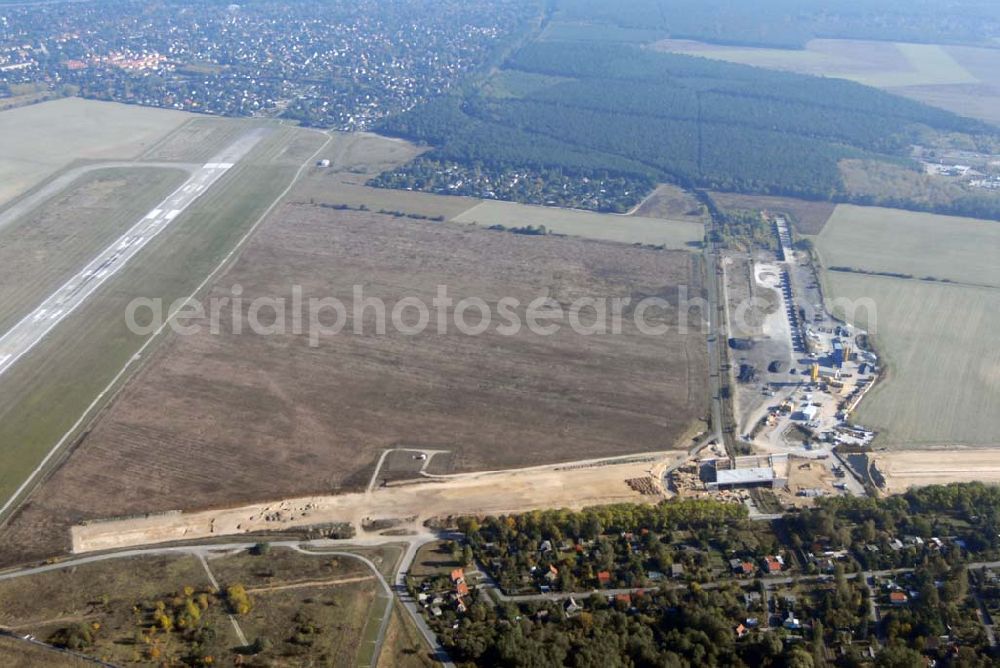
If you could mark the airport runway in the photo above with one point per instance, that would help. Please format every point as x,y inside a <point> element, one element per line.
<point>23,336</point>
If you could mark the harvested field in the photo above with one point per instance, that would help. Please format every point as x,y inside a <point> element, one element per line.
<point>41,139</point>
<point>939,342</point>
<point>807,216</point>
<point>274,417</point>
<point>45,394</point>
<point>914,468</point>
<point>906,242</point>
<point>962,79</point>
<point>980,101</point>
<point>673,203</point>
<point>862,61</point>
<point>42,249</point>
<point>675,234</point>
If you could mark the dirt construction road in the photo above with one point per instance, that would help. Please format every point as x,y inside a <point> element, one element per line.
<point>476,493</point>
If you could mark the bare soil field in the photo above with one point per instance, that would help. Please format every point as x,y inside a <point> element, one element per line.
<point>221,419</point>
<point>939,342</point>
<point>807,216</point>
<point>41,139</point>
<point>674,234</point>
<point>42,249</point>
<point>556,486</point>
<point>913,468</point>
<point>47,392</point>
<point>907,242</point>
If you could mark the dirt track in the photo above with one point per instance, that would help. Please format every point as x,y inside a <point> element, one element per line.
<point>484,493</point>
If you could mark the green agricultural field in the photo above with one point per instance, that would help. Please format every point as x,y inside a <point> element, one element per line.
<point>47,392</point>
<point>675,234</point>
<point>939,344</point>
<point>905,242</point>
<point>48,245</point>
<point>41,139</point>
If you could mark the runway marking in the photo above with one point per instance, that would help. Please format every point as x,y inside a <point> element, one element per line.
<point>35,326</point>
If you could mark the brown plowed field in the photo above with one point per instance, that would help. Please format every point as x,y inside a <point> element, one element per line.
<point>225,419</point>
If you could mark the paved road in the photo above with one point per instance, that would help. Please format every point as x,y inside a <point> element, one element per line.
<point>26,334</point>
<point>410,604</point>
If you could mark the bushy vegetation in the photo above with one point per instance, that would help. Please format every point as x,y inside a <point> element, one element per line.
<point>743,229</point>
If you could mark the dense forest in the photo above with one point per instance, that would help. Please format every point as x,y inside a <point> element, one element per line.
<point>625,112</point>
<point>792,23</point>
